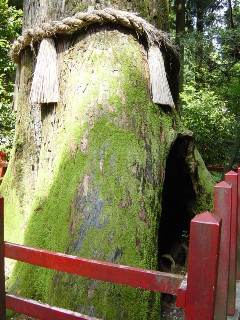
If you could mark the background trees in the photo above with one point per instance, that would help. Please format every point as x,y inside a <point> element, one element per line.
<point>210,99</point>
<point>10,26</point>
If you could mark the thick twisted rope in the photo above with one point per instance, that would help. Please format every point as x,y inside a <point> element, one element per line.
<point>83,19</point>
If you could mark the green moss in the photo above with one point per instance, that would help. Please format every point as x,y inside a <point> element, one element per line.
<point>217,176</point>
<point>108,143</point>
<point>205,188</point>
<point>17,187</point>
<point>74,6</point>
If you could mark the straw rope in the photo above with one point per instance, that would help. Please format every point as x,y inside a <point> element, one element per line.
<point>161,92</point>
<point>83,19</point>
<point>45,81</point>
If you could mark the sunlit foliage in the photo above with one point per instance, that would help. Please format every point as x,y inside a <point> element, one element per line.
<point>10,26</point>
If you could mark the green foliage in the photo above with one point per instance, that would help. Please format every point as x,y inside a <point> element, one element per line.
<point>206,114</point>
<point>224,76</point>
<point>211,99</point>
<point>10,25</point>
<point>217,176</point>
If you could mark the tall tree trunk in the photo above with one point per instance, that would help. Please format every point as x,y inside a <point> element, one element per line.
<point>88,173</point>
<point>233,157</point>
<point>200,9</point>
<point>200,15</point>
<point>180,16</point>
<point>180,28</point>
<point>163,15</point>
<point>156,12</point>
<point>230,10</point>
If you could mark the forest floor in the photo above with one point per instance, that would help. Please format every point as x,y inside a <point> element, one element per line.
<point>169,309</point>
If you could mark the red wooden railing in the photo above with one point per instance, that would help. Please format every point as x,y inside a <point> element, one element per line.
<point>207,291</point>
<point>219,169</point>
<point>3,168</point>
<point>3,164</point>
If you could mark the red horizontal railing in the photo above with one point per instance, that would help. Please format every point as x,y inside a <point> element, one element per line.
<point>105,271</point>
<point>3,168</point>
<point>35,309</point>
<point>216,169</point>
<point>3,164</point>
<point>219,169</point>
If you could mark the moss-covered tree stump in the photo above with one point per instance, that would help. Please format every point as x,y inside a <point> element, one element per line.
<point>93,174</point>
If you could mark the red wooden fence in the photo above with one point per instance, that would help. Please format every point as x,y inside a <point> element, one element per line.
<point>232,179</point>
<point>208,291</point>
<point>223,209</point>
<point>3,168</point>
<point>2,272</point>
<point>218,169</point>
<point>197,295</point>
<point>238,227</point>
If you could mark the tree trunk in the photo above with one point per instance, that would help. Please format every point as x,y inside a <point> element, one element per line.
<point>180,16</point>
<point>156,12</point>
<point>234,154</point>
<point>180,28</point>
<point>88,174</point>
<point>200,9</point>
<point>230,13</point>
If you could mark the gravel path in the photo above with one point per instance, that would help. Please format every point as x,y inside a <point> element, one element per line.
<point>237,312</point>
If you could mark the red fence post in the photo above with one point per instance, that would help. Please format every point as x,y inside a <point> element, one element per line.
<point>232,179</point>
<point>202,267</point>
<point>223,210</point>
<point>2,272</point>
<point>238,229</point>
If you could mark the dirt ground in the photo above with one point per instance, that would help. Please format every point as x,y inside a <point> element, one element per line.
<point>169,309</point>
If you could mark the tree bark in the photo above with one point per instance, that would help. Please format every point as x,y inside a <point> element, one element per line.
<point>87,174</point>
<point>180,28</point>
<point>180,16</point>
<point>230,22</point>
<point>233,157</point>
<point>156,12</point>
<point>199,45</point>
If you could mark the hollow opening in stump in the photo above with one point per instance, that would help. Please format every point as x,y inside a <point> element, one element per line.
<point>178,195</point>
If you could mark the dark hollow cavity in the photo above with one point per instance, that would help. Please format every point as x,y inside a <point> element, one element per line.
<point>178,194</point>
